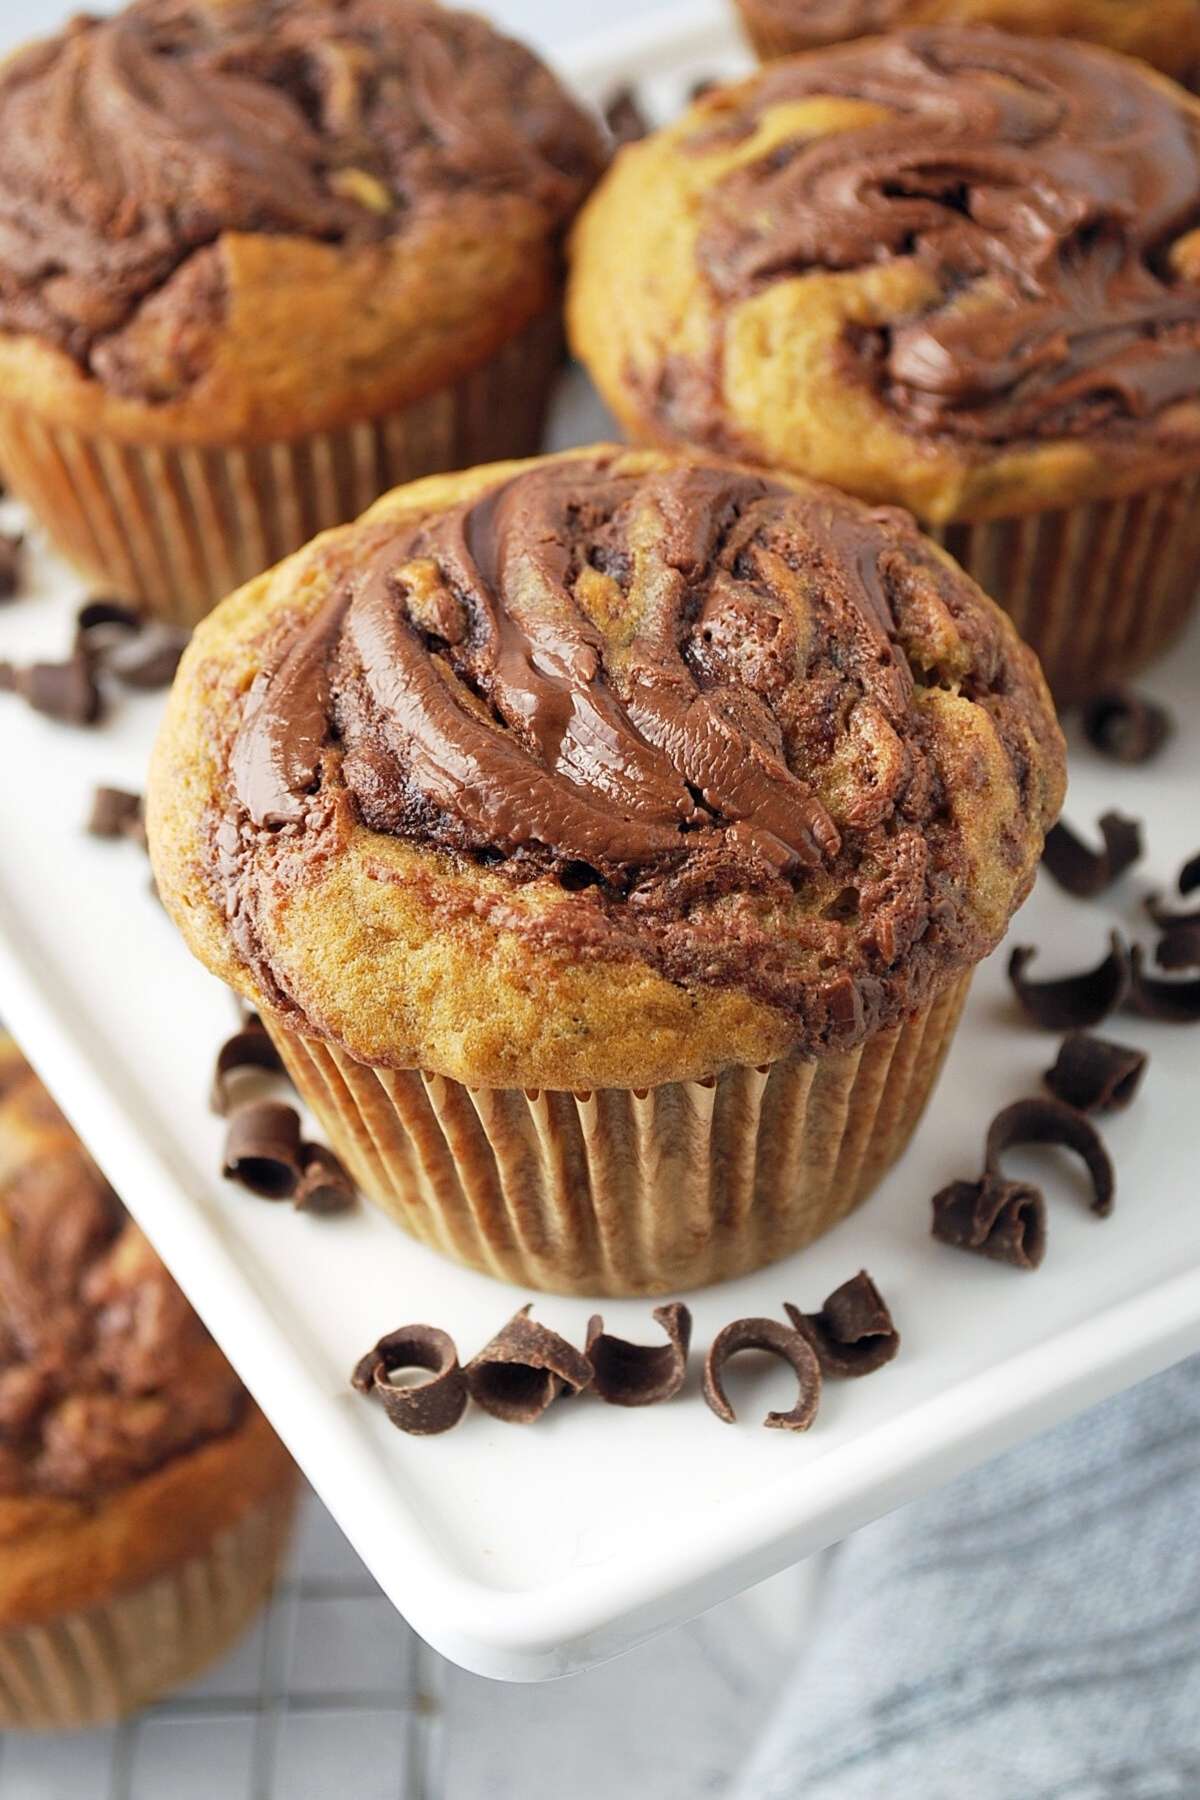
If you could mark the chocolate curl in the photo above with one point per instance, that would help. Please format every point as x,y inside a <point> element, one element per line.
<point>1179,946</point>
<point>1126,727</point>
<point>102,623</point>
<point>1085,872</point>
<point>428,1407</point>
<point>853,1334</point>
<point>66,691</point>
<point>1041,1121</point>
<point>1073,1002</point>
<point>325,1186</point>
<point>779,1340</point>
<point>151,659</point>
<point>524,1367</point>
<point>1002,1220</point>
<point>249,1048</point>
<point>627,123</point>
<point>12,562</point>
<point>1168,1002</point>
<point>117,813</point>
<point>1189,875</point>
<point>263,1149</point>
<point>628,1374</point>
<point>1095,1075</point>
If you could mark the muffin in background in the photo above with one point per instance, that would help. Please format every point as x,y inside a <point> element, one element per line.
<point>607,842</point>
<point>262,259</point>
<point>144,1500</point>
<point>1164,33</point>
<point>952,269</point>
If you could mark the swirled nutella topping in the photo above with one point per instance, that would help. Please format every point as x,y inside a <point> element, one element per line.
<point>131,143</point>
<point>105,1371</point>
<point>1041,185</point>
<point>682,694</point>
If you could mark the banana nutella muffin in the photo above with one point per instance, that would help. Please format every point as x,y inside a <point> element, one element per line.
<point>144,1500</point>
<point>952,269</point>
<point>607,842</point>
<point>261,259</point>
<point>1165,33</point>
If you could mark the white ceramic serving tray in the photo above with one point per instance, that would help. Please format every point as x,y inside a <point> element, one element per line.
<point>525,1553</point>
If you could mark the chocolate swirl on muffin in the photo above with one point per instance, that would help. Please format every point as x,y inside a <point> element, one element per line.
<point>105,1371</point>
<point>131,144</point>
<point>1054,197</point>
<point>672,712</point>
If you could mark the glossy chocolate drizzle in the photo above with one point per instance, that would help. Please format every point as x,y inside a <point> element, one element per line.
<point>1042,185</point>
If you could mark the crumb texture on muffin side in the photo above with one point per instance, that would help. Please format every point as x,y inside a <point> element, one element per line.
<point>951,268</point>
<point>602,770</point>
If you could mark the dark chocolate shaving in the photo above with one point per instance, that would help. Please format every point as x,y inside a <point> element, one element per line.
<point>1072,1002</point>
<point>628,1374</point>
<point>117,813</point>
<point>150,660</point>
<point>249,1048</point>
<point>1179,946</point>
<point>1125,726</point>
<point>263,1149</point>
<point>12,563</point>
<point>1083,871</point>
<point>627,123</point>
<point>1003,1220</point>
<point>853,1334</point>
<point>427,1407</point>
<point>1168,1002</point>
<point>525,1367</point>
<point>1095,1075</point>
<point>1189,875</point>
<point>1042,1121</point>
<point>102,623</point>
<point>66,691</point>
<point>777,1340</point>
<point>325,1185</point>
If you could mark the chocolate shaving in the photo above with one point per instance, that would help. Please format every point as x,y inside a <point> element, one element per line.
<point>151,659</point>
<point>66,691</point>
<point>249,1048</point>
<point>1083,871</point>
<point>1168,1002</point>
<point>853,1334</point>
<point>627,123</point>
<point>1125,726</point>
<point>428,1407</point>
<point>12,561</point>
<point>1179,946</point>
<point>628,1374</point>
<point>102,623</point>
<point>1189,875</point>
<point>524,1367</point>
<point>325,1185</point>
<point>1042,1121</point>
<point>117,813</point>
<point>263,1149</point>
<point>1095,1075</point>
<point>778,1340</point>
<point>1072,1002</point>
<point>1003,1220</point>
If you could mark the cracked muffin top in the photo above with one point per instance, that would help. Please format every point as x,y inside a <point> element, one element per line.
<point>150,161</point>
<point>606,769</point>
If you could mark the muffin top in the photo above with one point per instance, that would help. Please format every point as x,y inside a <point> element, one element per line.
<point>602,770</point>
<point>943,266</point>
<point>105,1371</point>
<point>134,146</point>
<point>1164,32</point>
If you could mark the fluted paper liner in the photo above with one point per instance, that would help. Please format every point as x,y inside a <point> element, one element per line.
<point>1098,590</point>
<point>106,1661</point>
<point>177,527</point>
<point>626,1191</point>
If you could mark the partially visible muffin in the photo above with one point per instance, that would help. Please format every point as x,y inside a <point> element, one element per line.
<point>144,1500</point>
<point>261,259</point>
<point>607,842</point>
<point>952,269</point>
<point>1164,33</point>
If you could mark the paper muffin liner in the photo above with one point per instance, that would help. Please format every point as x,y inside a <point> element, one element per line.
<point>1098,590</point>
<point>105,1661</point>
<point>770,39</point>
<point>177,527</point>
<point>641,1191</point>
